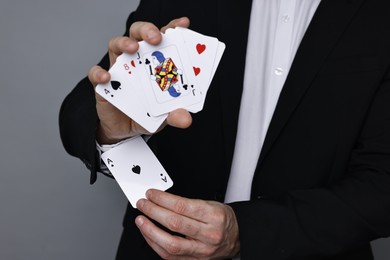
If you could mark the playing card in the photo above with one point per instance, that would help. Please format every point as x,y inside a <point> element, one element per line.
<point>205,52</point>
<point>166,76</point>
<point>202,50</point>
<point>121,91</point>
<point>136,169</point>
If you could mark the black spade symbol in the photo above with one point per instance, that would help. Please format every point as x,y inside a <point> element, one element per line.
<point>147,62</point>
<point>136,169</point>
<point>148,114</point>
<point>115,85</point>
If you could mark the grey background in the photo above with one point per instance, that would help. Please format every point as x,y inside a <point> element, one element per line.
<point>48,208</point>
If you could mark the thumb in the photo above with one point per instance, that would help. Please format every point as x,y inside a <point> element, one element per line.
<point>179,118</point>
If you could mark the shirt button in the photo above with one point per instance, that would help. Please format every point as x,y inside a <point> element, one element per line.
<point>278,71</point>
<point>285,18</point>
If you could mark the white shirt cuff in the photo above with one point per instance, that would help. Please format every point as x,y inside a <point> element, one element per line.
<point>106,147</point>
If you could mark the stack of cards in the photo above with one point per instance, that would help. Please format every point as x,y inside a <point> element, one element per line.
<point>146,86</point>
<point>177,73</point>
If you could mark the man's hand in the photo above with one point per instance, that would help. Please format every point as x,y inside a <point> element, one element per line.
<point>114,125</point>
<point>210,228</point>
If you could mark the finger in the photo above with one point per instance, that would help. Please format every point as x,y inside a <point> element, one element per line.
<point>179,118</point>
<point>180,22</point>
<point>119,45</point>
<point>193,218</point>
<point>191,208</point>
<point>163,243</point>
<point>98,75</point>
<point>145,31</point>
<point>171,220</point>
<point>164,253</point>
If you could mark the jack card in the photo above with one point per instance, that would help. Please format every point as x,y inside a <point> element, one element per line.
<point>167,77</point>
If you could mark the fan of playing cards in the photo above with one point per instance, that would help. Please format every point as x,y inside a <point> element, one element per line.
<point>177,73</point>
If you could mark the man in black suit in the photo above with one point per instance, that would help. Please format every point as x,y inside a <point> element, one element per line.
<point>320,184</point>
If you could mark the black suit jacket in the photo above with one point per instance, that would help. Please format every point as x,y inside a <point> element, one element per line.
<point>321,189</point>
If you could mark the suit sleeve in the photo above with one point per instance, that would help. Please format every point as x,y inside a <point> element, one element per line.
<point>78,118</point>
<point>78,122</point>
<point>324,222</point>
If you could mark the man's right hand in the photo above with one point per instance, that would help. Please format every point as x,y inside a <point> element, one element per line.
<point>114,125</point>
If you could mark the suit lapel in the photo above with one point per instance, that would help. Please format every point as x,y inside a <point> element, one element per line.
<point>233,25</point>
<point>327,25</point>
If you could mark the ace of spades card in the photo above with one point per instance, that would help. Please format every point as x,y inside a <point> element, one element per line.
<point>167,77</point>
<point>136,169</point>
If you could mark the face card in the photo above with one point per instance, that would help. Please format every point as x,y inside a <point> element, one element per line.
<point>166,76</point>
<point>121,91</point>
<point>136,169</point>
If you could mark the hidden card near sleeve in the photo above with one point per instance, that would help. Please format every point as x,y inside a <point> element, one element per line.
<point>136,169</point>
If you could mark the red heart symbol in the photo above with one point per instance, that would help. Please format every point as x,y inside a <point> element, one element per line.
<point>196,70</point>
<point>200,48</point>
<point>132,63</point>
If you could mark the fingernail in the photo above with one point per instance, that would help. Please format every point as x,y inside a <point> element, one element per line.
<point>152,34</point>
<point>132,45</point>
<point>103,74</point>
<point>139,221</point>
<point>148,194</point>
<point>140,203</point>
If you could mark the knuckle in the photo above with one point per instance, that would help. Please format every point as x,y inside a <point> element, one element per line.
<point>135,25</point>
<point>217,238</point>
<point>173,247</point>
<point>117,43</point>
<point>219,215</point>
<point>147,26</point>
<point>174,22</point>
<point>193,230</point>
<point>180,206</point>
<point>175,223</point>
<point>121,42</point>
<point>208,252</point>
<point>137,29</point>
<point>144,207</point>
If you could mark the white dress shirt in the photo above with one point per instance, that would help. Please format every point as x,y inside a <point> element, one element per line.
<point>276,30</point>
